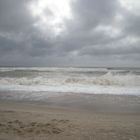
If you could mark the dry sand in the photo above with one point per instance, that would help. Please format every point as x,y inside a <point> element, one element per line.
<point>72,117</point>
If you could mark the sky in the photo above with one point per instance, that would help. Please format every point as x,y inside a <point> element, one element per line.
<point>70,33</point>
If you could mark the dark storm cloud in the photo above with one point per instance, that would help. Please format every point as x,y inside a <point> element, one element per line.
<point>94,35</point>
<point>38,46</point>
<point>132,23</point>
<point>107,50</point>
<point>17,33</point>
<point>87,16</point>
<point>6,46</point>
<point>90,13</point>
<point>14,15</point>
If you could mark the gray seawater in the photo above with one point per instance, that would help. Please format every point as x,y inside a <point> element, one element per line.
<point>37,83</point>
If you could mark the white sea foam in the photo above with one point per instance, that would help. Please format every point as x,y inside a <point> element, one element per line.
<point>75,80</point>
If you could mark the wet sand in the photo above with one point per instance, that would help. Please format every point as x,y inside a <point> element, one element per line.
<point>72,117</point>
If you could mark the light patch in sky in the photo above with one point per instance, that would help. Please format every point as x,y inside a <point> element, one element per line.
<point>132,40</point>
<point>51,14</point>
<point>109,30</point>
<point>131,5</point>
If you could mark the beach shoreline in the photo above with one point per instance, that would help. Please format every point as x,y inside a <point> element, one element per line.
<point>71,117</point>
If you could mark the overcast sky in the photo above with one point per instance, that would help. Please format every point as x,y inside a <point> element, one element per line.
<point>70,33</point>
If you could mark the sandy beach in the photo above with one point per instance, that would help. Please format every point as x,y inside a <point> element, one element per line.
<point>72,117</point>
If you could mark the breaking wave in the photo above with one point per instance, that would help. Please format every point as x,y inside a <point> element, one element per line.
<point>82,80</point>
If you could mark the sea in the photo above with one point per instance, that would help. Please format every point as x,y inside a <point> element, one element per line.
<point>39,83</point>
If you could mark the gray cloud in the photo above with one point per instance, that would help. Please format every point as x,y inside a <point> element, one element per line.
<point>132,24</point>
<point>14,15</point>
<point>93,36</point>
<point>90,13</point>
